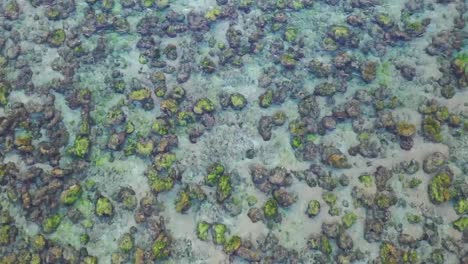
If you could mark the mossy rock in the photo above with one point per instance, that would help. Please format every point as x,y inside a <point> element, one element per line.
<point>290,35</point>
<point>266,99</point>
<point>349,219</point>
<point>329,198</point>
<point>56,37</point>
<point>321,243</point>
<point>90,260</point>
<point>461,224</point>
<point>410,257</point>
<point>237,101</point>
<point>4,92</point>
<point>437,257</point>
<point>207,65</point>
<point>288,61</point>
<point>7,234</point>
<point>213,14</point>
<point>224,188</point>
<point>339,33</point>
<point>144,147</point>
<point>203,105</point>
<point>367,180</point>
<point>159,183</point>
<point>202,230</point>
<point>219,234</point>
<point>182,203</point>
<point>461,206</point>
<point>184,118</point>
<point>439,188</point>
<point>80,147</point>
<point>270,209</point>
<point>140,95</point>
<point>147,3</point>
<point>126,243</point>
<point>169,106</point>
<point>161,127</point>
<point>71,194</point>
<point>389,254</point>
<point>50,224</point>
<point>214,172</point>
<point>405,129</point>
<point>432,129</point>
<point>53,13</point>
<point>460,64</point>
<point>232,244</point>
<point>384,20</point>
<point>38,242</point>
<point>104,207</point>
<point>313,208</point>
<point>164,161</point>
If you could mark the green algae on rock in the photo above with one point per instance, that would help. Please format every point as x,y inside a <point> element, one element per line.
<point>104,207</point>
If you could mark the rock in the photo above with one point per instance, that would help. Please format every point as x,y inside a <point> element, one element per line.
<point>382,175</point>
<point>248,254</point>
<point>265,125</point>
<point>309,107</point>
<point>345,242</point>
<point>433,162</point>
<point>368,71</point>
<point>283,197</point>
<point>255,214</point>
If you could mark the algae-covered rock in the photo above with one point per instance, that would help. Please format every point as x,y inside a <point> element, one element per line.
<point>460,64</point>
<point>164,161</point>
<point>4,92</point>
<point>159,183</point>
<point>80,147</point>
<point>224,188</point>
<point>237,101</point>
<point>203,105</point>
<point>202,230</point>
<point>313,208</point>
<point>71,194</point>
<point>214,172</point>
<point>232,244</point>
<point>56,37</point>
<point>182,203</point>
<point>405,129</point>
<point>104,207</point>
<point>266,98</point>
<point>161,247</point>
<point>389,253</point>
<point>126,243</point>
<point>270,209</point>
<point>349,219</point>
<point>329,198</point>
<point>7,234</point>
<point>339,33</point>
<point>461,206</point>
<point>439,188</point>
<point>50,224</point>
<point>219,233</point>
<point>461,224</point>
<point>208,65</point>
<point>38,242</point>
<point>90,260</point>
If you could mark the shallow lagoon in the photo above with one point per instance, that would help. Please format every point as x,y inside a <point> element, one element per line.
<point>233,131</point>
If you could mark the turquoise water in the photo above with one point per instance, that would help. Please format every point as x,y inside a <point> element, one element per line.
<point>233,131</point>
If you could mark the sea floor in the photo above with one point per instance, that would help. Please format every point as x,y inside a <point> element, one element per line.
<point>233,131</point>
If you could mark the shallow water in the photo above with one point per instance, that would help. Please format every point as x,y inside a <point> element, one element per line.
<point>114,113</point>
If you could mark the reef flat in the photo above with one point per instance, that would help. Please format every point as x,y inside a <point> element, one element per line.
<point>233,131</point>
